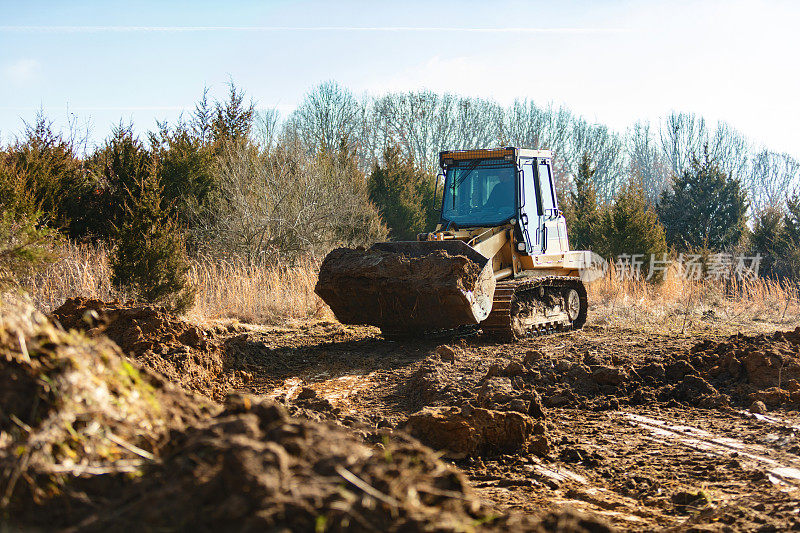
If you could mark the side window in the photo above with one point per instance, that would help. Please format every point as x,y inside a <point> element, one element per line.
<point>531,200</point>
<point>546,185</point>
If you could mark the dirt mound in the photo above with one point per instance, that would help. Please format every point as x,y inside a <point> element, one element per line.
<point>253,467</point>
<point>184,353</point>
<point>92,442</point>
<point>71,406</point>
<point>405,292</point>
<point>711,374</point>
<point>763,367</point>
<point>436,384</point>
<point>468,432</point>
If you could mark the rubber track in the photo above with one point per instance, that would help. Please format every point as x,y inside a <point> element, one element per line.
<point>498,323</point>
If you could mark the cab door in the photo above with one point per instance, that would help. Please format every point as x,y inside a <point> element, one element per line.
<point>531,212</point>
<point>552,224</point>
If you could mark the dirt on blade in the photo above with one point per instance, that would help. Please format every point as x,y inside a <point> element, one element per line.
<point>402,292</point>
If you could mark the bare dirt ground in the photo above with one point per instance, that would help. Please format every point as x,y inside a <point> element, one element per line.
<point>646,430</point>
<point>607,427</point>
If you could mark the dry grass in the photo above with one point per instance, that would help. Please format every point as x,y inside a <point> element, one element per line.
<point>256,293</point>
<point>681,306</point>
<point>80,270</point>
<point>271,294</point>
<point>225,289</point>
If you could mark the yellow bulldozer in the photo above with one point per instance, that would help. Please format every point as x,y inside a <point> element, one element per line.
<point>499,259</point>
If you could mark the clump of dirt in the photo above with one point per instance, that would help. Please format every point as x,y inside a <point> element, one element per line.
<point>252,467</point>
<point>435,383</point>
<point>470,431</point>
<point>184,353</point>
<point>501,388</point>
<point>71,406</point>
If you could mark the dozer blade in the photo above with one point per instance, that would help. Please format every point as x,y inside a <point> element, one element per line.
<point>408,287</point>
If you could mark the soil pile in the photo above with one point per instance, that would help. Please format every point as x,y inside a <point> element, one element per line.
<point>711,374</point>
<point>184,353</point>
<point>73,407</point>
<point>762,368</point>
<point>253,468</point>
<point>92,442</point>
<point>402,292</point>
<point>500,387</point>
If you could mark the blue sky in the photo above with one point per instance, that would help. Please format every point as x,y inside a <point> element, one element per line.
<point>613,62</point>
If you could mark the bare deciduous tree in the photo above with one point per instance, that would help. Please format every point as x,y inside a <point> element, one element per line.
<point>772,179</point>
<point>281,206</point>
<point>646,162</point>
<point>327,115</point>
<point>606,150</point>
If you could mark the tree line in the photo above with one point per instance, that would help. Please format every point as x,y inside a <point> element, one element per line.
<point>228,180</point>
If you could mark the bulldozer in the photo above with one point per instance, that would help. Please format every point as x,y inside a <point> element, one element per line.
<point>498,260</point>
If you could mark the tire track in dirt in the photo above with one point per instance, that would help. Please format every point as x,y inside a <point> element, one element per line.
<point>779,473</point>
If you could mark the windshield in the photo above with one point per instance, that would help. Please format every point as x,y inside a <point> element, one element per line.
<point>479,193</point>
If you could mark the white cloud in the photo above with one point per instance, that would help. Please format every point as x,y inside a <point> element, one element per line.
<point>22,71</point>
<point>263,29</point>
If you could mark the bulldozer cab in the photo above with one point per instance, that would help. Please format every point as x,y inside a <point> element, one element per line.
<point>490,188</point>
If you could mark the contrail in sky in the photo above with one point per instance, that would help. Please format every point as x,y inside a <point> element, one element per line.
<point>374,29</point>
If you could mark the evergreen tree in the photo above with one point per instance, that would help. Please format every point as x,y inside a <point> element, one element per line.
<point>791,221</point>
<point>149,257</point>
<point>705,208</point>
<point>629,226</point>
<point>43,179</point>
<point>583,214</point>
<point>769,240</point>
<point>120,167</point>
<point>403,194</point>
<point>791,237</point>
<point>25,246</point>
<point>187,171</point>
<point>202,118</point>
<point>232,120</point>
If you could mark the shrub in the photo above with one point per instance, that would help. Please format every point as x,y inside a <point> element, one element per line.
<point>282,205</point>
<point>25,246</point>
<point>767,239</point>
<point>705,208</point>
<point>150,258</point>
<point>403,195</point>
<point>776,236</point>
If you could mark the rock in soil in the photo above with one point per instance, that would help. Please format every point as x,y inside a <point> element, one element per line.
<point>471,431</point>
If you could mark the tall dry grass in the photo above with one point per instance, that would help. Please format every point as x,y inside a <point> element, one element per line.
<point>80,270</point>
<point>679,305</point>
<point>257,293</point>
<point>267,293</point>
